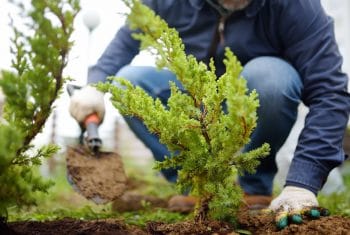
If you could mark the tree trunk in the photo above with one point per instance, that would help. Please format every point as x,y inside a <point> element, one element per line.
<point>202,211</point>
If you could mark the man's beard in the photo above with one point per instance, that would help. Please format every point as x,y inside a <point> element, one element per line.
<point>234,5</point>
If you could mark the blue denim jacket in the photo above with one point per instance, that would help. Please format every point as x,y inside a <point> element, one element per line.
<point>298,31</point>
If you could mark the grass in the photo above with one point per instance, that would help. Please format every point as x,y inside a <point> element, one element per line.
<point>63,202</point>
<point>339,203</point>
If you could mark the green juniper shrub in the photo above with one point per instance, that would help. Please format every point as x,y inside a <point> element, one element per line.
<point>31,87</point>
<point>205,141</point>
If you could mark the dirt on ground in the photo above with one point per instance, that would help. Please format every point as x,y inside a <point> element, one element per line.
<point>262,223</point>
<point>255,223</point>
<point>258,224</point>
<point>99,178</point>
<point>72,227</point>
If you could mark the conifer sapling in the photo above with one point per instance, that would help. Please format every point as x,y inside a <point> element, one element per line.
<point>31,86</point>
<point>205,128</point>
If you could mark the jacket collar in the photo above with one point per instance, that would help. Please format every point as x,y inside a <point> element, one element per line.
<point>250,11</point>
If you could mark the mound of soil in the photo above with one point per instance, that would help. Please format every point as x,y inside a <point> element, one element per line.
<point>99,178</point>
<point>256,224</point>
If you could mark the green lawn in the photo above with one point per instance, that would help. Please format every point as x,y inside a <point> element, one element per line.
<point>339,203</point>
<point>62,201</point>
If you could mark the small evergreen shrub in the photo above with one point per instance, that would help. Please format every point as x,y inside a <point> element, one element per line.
<point>205,140</point>
<point>30,88</point>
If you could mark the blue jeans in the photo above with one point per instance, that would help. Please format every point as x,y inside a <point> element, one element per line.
<point>279,87</point>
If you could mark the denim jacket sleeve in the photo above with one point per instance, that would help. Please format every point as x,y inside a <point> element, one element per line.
<point>307,35</point>
<point>120,52</point>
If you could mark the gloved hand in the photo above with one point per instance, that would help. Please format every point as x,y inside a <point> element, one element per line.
<point>86,101</point>
<point>293,203</point>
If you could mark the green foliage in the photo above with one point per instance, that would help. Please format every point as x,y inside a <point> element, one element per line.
<point>30,88</point>
<point>138,218</point>
<point>63,202</point>
<point>204,128</point>
<point>338,203</point>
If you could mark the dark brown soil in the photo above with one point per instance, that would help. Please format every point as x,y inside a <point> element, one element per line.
<point>259,223</point>
<point>256,224</point>
<point>189,228</point>
<point>74,227</point>
<point>99,178</point>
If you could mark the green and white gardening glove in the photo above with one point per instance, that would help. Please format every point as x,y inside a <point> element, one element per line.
<point>293,204</point>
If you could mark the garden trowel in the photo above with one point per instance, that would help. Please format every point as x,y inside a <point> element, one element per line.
<point>97,175</point>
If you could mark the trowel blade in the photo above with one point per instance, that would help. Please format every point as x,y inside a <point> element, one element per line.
<point>100,179</point>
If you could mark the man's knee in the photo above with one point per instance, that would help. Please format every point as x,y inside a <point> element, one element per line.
<point>134,74</point>
<point>272,76</point>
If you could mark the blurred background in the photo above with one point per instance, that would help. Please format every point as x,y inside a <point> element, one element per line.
<point>95,26</point>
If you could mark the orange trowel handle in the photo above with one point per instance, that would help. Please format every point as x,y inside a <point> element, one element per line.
<point>92,118</point>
